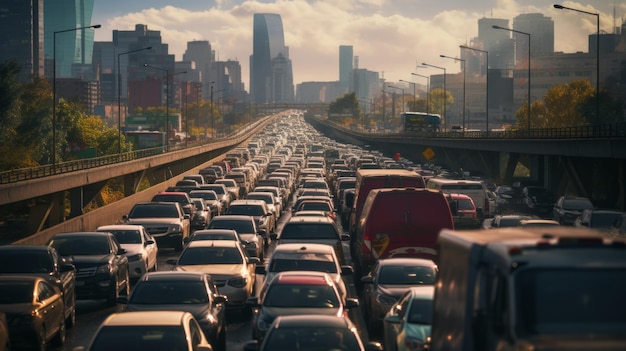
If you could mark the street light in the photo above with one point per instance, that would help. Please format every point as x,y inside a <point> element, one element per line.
<point>427,90</point>
<point>167,100</point>
<point>528,34</point>
<point>444,91</point>
<point>561,7</point>
<point>119,99</point>
<point>414,94</point>
<point>486,84</point>
<point>462,60</point>
<point>212,116</point>
<point>54,85</point>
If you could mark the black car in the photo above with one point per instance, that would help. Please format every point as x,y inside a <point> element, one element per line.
<point>101,267</point>
<point>45,262</point>
<point>192,292</point>
<point>568,208</point>
<point>538,200</point>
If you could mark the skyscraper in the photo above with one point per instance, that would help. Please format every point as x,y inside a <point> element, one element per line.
<point>271,76</point>
<point>345,66</point>
<point>541,30</point>
<point>73,46</point>
<point>21,36</point>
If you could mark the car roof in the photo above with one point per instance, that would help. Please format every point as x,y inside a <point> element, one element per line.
<point>215,231</point>
<point>301,278</point>
<point>303,247</point>
<point>213,243</point>
<point>119,227</point>
<point>229,217</point>
<point>174,275</point>
<point>139,318</point>
<point>247,202</point>
<point>311,219</point>
<point>406,261</point>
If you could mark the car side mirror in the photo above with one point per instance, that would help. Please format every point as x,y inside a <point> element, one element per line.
<point>347,270</point>
<point>217,299</point>
<point>149,242</point>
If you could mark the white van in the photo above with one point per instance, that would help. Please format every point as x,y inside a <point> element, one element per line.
<point>472,188</point>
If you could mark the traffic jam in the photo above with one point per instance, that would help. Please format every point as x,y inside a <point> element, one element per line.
<point>295,241</point>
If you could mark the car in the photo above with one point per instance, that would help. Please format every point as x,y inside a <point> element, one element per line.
<point>406,325</point>
<point>568,208</point>
<point>313,332</point>
<point>503,221</point>
<point>307,257</point>
<point>314,230</point>
<point>317,205</point>
<point>141,248</point>
<point>231,186</point>
<point>388,280</point>
<point>263,216</point>
<point>297,292</point>
<point>223,195</point>
<point>34,310</point>
<point>181,197</point>
<point>528,223</point>
<point>193,292</point>
<point>509,197</point>
<point>217,234</point>
<point>233,272</point>
<point>45,262</point>
<point>464,212</point>
<point>272,204</point>
<point>213,201</point>
<point>278,198</point>
<point>164,221</point>
<point>246,229</point>
<point>598,219</point>
<point>538,200</point>
<point>102,270</point>
<point>203,214</point>
<point>150,330</point>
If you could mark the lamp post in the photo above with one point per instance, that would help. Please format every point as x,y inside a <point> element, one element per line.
<point>427,90</point>
<point>444,91</point>
<point>414,93</point>
<point>561,7</point>
<point>212,116</point>
<point>486,83</point>
<point>119,99</point>
<point>167,100</point>
<point>528,34</point>
<point>54,85</point>
<point>462,60</point>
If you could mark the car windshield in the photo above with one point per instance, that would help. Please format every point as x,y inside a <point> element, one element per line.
<point>210,255</point>
<point>127,236</point>
<point>152,337</point>
<point>81,245</point>
<point>313,296</point>
<point>153,211</point>
<point>12,292</point>
<point>314,206</point>
<point>309,231</point>
<point>406,275</point>
<point>571,301</point>
<point>577,204</point>
<point>169,292</point>
<point>465,204</point>
<point>21,262</point>
<point>311,339</point>
<point>241,227</point>
<point>283,264</point>
<point>421,312</point>
<point>248,210</point>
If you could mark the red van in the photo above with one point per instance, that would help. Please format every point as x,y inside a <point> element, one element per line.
<point>399,222</point>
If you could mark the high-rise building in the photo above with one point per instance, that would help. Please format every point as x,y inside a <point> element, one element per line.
<point>199,51</point>
<point>21,36</point>
<point>269,53</point>
<point>346,54</point>
<point>541,30</point>
<point>497,42</point>
<point>74,46</point>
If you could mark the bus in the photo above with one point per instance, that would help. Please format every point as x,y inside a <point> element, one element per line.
<point>145,139</point>
<point>420,122</point>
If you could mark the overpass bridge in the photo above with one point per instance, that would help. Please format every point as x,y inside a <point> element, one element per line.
<point>584,161</point>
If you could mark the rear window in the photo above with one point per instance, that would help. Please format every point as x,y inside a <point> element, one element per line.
<point>309,231</point>
<point>241,227</point>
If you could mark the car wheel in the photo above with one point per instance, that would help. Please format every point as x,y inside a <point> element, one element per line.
<point>59,339</point>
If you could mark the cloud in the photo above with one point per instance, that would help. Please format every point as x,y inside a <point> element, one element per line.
<point>314,30</point>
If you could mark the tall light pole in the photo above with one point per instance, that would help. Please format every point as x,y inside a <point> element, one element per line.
<point>414,93</point>
<point>486,83</point>
<point>167,100</point>
<point>462,60</point>
<point>444,92</point>
<point>212,116</point>
<point>528,34</point>
<point>54,85</point>
<point>427,91</point>
<point>561,7</point>
<point>119,99</point>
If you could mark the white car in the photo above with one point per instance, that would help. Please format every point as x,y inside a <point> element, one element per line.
<point>232,270</point>
<point>141,248</point>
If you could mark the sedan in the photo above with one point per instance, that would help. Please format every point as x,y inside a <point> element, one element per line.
<point>34,311</point>
<point>150,330</point>
<point>388,280</point>
<point>232,270</point>
<point>567,209</point>
<point>406,326</point>
<point>246,228</point>
<point>185,291</point>
<point>141,248</point>
<point>202,216</point>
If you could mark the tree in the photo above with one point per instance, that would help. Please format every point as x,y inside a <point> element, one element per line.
<point>345,105</point>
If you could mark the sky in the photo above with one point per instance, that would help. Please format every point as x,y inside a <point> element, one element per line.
<point>392,37</point>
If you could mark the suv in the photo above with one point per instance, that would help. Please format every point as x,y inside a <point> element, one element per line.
<point>182,198</point>
<point>258,209</point>
<point>165,221</point>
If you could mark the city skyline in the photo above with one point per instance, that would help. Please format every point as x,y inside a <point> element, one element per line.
<point>314,30</point>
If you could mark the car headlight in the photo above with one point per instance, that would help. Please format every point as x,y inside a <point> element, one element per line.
<point>106,268</point>
<point>238,282</point>
<point>133,258</point>
<point>176,228</point>
<point>385,299</point>
<point>414,344</point>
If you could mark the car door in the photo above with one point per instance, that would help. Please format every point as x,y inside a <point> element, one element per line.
<point>50,306</point>
<point>120,261</point>
<point>150,246</point>
<point>67,277</point>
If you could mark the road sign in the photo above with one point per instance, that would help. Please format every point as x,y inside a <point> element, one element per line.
<point>428,153</point>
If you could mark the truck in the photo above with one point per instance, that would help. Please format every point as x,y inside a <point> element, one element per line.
<point>544,288</point>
